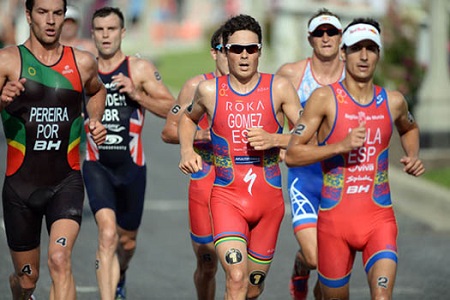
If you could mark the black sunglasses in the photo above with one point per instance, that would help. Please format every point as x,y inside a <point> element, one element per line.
<point>321,32</point>
<point>238,49</point>
<point>219,47</point>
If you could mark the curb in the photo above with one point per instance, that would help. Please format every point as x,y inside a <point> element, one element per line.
<point>421,199</point>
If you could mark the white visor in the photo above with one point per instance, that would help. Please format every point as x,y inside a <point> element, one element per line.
<point>324,19</point>
<point>360,32</point>
<point>72,13</point>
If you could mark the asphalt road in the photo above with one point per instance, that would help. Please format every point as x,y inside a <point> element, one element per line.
<point>164,262</point>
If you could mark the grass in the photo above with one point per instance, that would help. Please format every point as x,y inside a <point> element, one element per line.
<point>439,176</point>
<point>176,68</point>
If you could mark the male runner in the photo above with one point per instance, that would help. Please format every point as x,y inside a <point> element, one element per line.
<point>43,85</point>
<point>354,120</point>
<point>115,173</point>
<point>201,182</point>
<point>305,183</point>
<point>246,201</point>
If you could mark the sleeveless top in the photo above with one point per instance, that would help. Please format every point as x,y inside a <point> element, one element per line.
<point>235,160</point>
<point>308,83</point>
<point>124,120</point>
<point>363,172</point>
<point>43,125</point>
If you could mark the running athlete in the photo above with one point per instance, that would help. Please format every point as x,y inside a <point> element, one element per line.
<point>43,87</point>
<point>246,201</point>
<point>201,182</point>
<point>305,183</point>
<point>354,122</point>
<point>115,172</point>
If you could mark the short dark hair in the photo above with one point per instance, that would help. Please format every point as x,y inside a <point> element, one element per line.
<point>369,21</point>
<point>106,11</point>
<point>241,22</point>
<point>216,36</point>
<point>29,4</point>
<point>323,12</point>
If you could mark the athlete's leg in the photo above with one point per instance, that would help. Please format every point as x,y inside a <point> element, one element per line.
<point>233,258</point>
<point>63,234</point>
<point>26,273</point>
<point>107,263</point>
<point>126,248</point>
<point>205,272</point>
<point>257,274</point>
<point>341,293</point>
<point>305,261</point>
<point>381,278</point>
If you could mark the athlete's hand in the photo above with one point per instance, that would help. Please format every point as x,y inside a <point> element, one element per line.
<point>190,162</point>
<point>11,90</point>
<point>355,138</point>
<point>203,135</point>
<point>125,85</point>
<point>98,131</point>
<point>412,165</point>
<point>260,139</point>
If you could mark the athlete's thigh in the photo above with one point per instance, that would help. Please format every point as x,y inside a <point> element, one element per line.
<point>233,255</point>
<point>67,201</point>
<point>381,278</point>
<point>22,223</point>
<point>305,184</point>
<point>335,257</point>
<point>26,262</point>
<point>131,198</point>
<point>63,234</point>
<point>199,213</point>
<point>227,218</point>
<point>99,186</point>
<point>263,236</point>
<point>257,273</point>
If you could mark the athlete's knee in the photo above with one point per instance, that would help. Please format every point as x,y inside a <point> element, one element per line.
<point>128,242</point>
<point>59,261</point>
<point>308,258</point>
<point>256,284</point>
<point>26,281</point>
<point>236,279</point>
<point>108,238</point>
<point>207,262</point>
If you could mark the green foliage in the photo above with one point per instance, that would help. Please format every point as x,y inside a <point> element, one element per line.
<point>177,67</point>
<point>439,176</point>
<point>398,67</point>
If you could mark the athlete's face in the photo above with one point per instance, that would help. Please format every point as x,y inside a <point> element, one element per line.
<point>361,60</point>
<point>325,41</point>
<point>46,19</point>
<point>243,63</point>
<point>107,34</point>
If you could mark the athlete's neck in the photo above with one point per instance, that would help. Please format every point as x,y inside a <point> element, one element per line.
<point>47,54</point>
<point>326,71</point>
<point>108,63</point>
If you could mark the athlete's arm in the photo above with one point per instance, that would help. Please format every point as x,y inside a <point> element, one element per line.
<point>292,71</point>
<point>319,113</point>
<point>146,87</point>
<point>169,133</point>
<point>409,133</point>
<point>96,93</point>
<point>10,65</point>
<point>190,161</point>
<point>287,103</point>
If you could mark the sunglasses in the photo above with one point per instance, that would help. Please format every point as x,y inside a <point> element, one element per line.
<point>321,32</point>
<point>219,47</point>
<point>238,49</point>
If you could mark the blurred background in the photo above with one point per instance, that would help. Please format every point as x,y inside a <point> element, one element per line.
<point>175,34</point>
